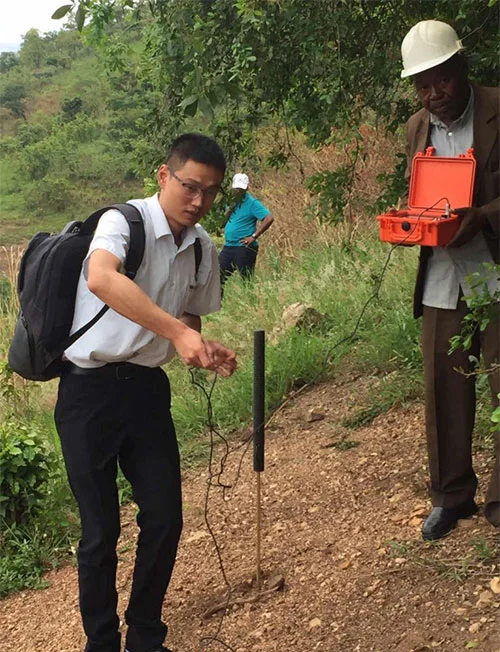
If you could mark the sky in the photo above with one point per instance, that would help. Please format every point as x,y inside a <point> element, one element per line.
<point>19,16</point>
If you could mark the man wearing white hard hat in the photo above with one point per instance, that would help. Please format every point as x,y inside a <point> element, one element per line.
<point>456,115</point>
<point>246,220</point>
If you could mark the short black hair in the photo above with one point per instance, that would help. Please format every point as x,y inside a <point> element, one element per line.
<point>196,147</point>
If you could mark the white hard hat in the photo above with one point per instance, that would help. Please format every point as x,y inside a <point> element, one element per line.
<point>428,44</point>
<point>240,181</point>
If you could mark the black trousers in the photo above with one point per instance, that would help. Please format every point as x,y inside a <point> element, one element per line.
<point>241,259</point>
<point>450,406</point>
<point>102,421</point>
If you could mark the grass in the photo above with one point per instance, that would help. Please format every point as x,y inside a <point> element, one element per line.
<point>397,389</point>
<point>484,551</point>
<point>477,559</point>
<point>335,281</point>
<point>344,444</point>
<point>24,560</point>
<point>483,434</point>
<point>45,541</point>
<point>334,284</point>
<point>20,221</point>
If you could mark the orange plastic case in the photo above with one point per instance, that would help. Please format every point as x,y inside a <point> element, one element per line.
<point>435,182</point>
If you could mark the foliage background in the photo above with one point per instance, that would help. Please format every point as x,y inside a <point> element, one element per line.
<point>143,72</point>
<point>306,96</point>
<point>323,68</point>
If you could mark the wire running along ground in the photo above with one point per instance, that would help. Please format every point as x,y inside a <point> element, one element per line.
<point>215,480</point>
<point>215,476</point>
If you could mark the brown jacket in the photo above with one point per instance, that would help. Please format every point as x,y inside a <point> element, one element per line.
<point>487,182</point>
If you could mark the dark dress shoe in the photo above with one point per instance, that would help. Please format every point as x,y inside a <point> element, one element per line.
<point>442,520</point>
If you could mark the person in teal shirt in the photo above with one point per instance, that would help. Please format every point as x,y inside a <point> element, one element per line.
<point>246,219</point>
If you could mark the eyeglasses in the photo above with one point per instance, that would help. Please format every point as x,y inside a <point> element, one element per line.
<point>192,190</point>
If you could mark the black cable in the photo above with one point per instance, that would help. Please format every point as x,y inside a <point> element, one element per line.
<point>208,640</point>
<point>214,638</point>
<point>375,294</point>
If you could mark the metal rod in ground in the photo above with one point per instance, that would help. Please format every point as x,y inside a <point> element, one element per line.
<point>258,430</point>
<point>258,573</point>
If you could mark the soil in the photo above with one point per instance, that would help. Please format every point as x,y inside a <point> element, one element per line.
<point>341,517</point>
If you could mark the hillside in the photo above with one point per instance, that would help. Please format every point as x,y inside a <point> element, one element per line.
<point>316,120</point>
<point>68,130</point>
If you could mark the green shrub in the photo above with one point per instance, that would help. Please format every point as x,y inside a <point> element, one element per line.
<point>39,128</point>
<point>101,167</point>
<point>495,417</point>
<point>26,467</point>
<point>19,399</point>
<point>70,107</point>
<point>29,550</point>
<point>9,146</point>
<point>81,129</point>
<point>49,194</point>
<point>36,159</point>
<point>13,98</point>
<point>56,155</point>
<point>24,557</point>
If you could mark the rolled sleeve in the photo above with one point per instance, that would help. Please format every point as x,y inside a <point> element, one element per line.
<point>112,234</point>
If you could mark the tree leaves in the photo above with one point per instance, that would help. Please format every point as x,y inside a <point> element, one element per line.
<point>189,105</point>
<point>317,67</point>
<point>206,108</point>
<point>80,17</point>
<point>61,12</point>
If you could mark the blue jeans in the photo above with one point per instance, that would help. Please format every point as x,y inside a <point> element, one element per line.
<point>237,259</point>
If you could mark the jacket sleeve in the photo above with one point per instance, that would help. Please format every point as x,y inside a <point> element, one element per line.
<point>487,111</point>
<point>489,200</point>
<point>491,211</point>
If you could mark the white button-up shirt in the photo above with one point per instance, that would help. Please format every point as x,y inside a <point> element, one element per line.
<point>167,276</point>
<point>447,269</point>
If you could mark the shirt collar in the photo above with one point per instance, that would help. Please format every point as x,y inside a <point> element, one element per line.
<point>246,198</point>
<point>161,226</point>
<point>461,120</point>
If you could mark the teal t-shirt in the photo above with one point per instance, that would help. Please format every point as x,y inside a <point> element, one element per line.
<point>242,221</point>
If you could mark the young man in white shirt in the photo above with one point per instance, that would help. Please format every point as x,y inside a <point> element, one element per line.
<point>114,400</point>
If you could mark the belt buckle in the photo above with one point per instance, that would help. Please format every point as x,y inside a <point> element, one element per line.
<point>123,373</point>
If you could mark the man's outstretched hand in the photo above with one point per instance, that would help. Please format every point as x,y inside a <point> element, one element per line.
<point>196,351</point>
<point>223,360</point>
<point>472,221</point>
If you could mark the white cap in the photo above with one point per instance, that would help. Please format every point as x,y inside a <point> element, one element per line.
<point>240,181</point>
<point>428,44</point>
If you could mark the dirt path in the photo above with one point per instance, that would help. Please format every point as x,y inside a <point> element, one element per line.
<point>342,516</point>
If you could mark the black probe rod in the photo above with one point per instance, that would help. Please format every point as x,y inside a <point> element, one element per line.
<point>258,399</point>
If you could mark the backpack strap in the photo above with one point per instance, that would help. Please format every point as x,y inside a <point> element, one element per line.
<point>133,261</point>
<point>198,255</point>
<point>77,334</point>
<point>135,222</point>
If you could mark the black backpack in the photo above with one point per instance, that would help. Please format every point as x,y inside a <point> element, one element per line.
<point>47,283</point>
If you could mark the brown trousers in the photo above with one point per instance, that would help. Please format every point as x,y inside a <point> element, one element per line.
<point>450,406</point>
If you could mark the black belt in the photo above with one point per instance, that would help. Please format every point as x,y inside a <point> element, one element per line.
<point>114,370</point>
